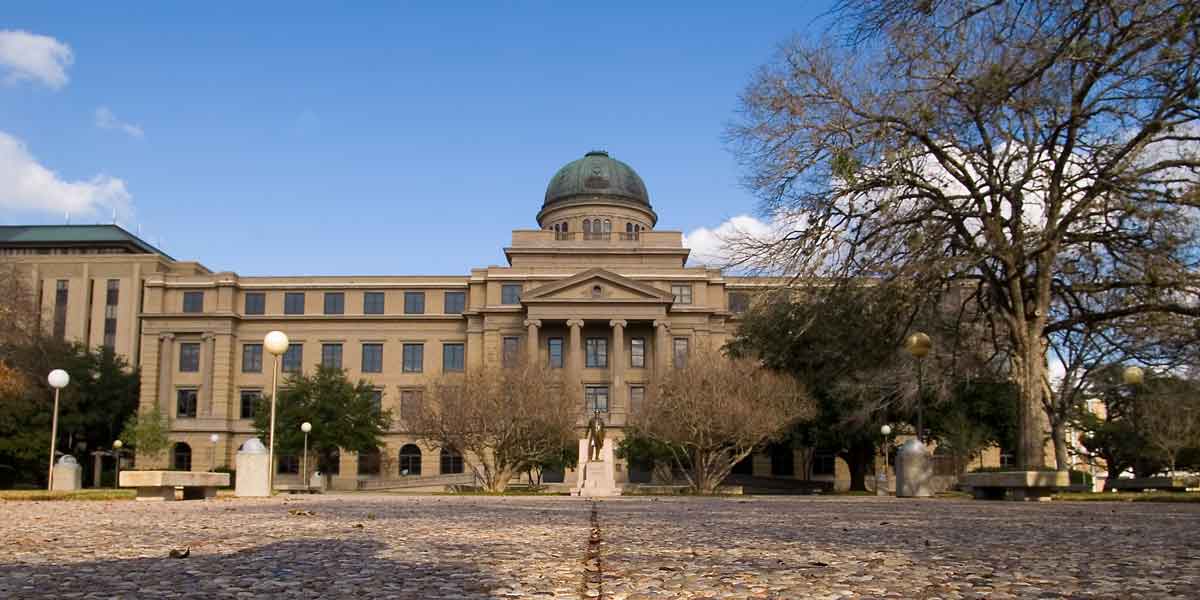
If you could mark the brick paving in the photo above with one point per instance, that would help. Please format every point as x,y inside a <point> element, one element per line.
<point>385,546</point>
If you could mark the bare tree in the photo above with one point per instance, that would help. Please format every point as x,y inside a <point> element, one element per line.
<point>508,420</point>
<point>1043,151</point>
<point>715,411</point>
<point>1169,417</point>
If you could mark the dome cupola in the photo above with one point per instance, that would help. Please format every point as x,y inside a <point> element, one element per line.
<point>597,180</point>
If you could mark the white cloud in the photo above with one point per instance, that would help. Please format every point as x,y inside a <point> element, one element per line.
<point>27,56</point>
<point>711,246</point>
<point>106,119</point>
<point>27,185</point>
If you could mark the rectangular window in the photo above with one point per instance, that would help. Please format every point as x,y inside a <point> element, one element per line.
<point>414,303</point>
<point>335,303</point>
<point>293,303</point>
<point>331,355</point>
<point>637,353</point>
<point>60,308</point>
<point>256,303</point>
<point>373,303</point>
<point>682,293</point>
<point>293,359</point>
<point>555,347</point>
<point>111,297</point>
<point>252,358</point>
<point>414,358</point>
<point>681,352</point>
<point>824,463</point>
<point>249,399</point>
<point>453,357</point>
<point>193,302</point>
<point>372,358</point>
<point>455,303</point>
<point>189,357</point>
<point>596,353</point>
<point>369,462</point>
<point>410,403</point>
<point>596,397</point>
<point>739,302</point>
<point>637,398</point>
<point>288,464</point>
<point>376,401</point>
<point>509,352</point>
<point>185,404</point>
<point>510,293</point>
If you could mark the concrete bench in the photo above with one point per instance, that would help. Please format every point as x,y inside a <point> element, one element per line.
<point>1162,484</point>
<point>1016,485</point>
<point>160,485</point>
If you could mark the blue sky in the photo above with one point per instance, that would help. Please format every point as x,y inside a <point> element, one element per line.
<point>297,138</point>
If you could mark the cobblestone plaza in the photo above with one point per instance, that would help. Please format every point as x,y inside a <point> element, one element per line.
<point>644,547</point>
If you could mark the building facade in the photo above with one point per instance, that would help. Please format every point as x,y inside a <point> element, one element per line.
<point>595,290</point>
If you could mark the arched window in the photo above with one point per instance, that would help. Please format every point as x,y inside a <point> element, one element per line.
<point>368,462</point>
<point>452,462</point>
<point>556,228</point>
<point>629,228</point>
<point>565,227</point>
<point>181,457</point>
<point>607,226</point>
<point>587,226</point>
<point>410,460</point>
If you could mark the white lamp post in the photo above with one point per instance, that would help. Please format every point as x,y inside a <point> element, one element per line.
<point>881,481</point>
<point>212,461</point>
<point>919,345</point>
<point>58,379</point>
<point>305,427</point>
<point>117,444</point>
<point>276,343</point>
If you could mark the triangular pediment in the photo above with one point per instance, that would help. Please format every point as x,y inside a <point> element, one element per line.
<point>596,285</point>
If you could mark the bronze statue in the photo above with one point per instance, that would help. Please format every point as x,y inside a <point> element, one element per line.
<point>595,436</point>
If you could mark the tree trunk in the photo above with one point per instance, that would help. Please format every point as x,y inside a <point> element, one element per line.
<point>1059,433</point>
<point>859,458</point>
<point>1028,368</point>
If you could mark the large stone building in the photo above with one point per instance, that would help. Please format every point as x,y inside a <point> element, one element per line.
<point>596,290</point>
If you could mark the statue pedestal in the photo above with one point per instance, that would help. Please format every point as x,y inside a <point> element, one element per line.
<point>596,477</point>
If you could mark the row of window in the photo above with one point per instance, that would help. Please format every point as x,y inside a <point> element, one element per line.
<point>413,355</point>
<point>373,302</point>
<point>453,303</point>
<point>595,399</point>
<point>369,462</point>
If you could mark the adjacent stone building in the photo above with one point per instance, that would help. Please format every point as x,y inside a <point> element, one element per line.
<point>595,290</point>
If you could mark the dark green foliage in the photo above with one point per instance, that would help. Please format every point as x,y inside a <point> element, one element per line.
<point>343,415</point>
<point>93,408</point>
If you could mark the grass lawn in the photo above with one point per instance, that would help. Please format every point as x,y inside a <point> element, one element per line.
<point>101,494</point>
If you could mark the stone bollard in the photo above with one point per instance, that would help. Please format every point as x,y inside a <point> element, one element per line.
<point>253,470</point>
<point>914,471</point>
<point>68,476</point>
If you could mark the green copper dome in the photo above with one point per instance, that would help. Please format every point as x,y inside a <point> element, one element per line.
<point>596,174</point>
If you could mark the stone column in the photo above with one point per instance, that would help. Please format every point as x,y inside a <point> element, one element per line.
<point>662,341</point>
<point>210,351</point>
<point>575,359</point>
<point>616,396</point>
<point>531,340</point>
<point>166,365</point>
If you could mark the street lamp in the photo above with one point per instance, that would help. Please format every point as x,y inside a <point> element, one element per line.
<point>881,480</point>
<point>305,427</point>
<point>58,379</point>
<point>117,444</point>
<point>919,345</point>
<point>276,343</point>
<point>212,461</point>
<point>1133,375</point>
